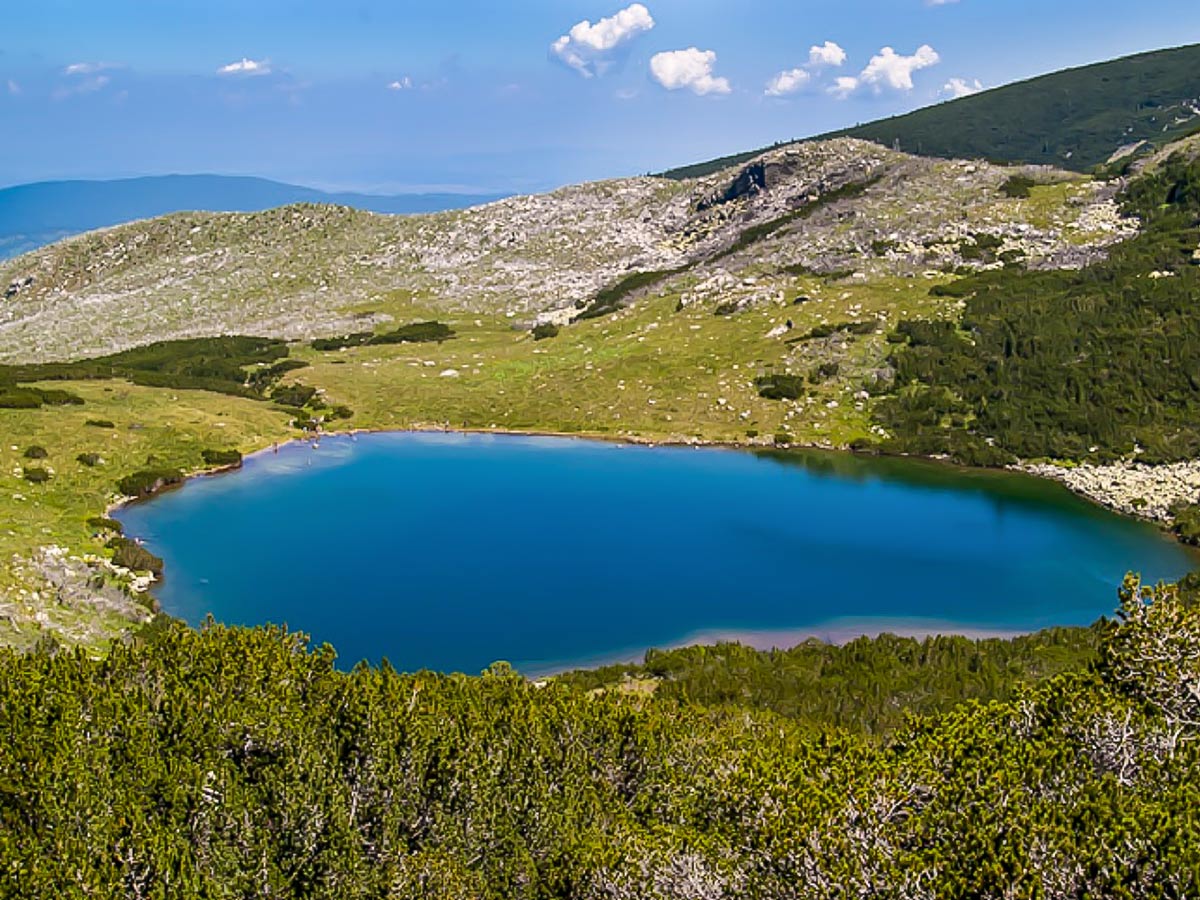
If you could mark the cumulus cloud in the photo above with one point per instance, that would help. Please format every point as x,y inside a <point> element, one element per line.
<point>691,69</point>
<point>246,66</point>
<point>401,84</point>
<point>960,87</point>
<point>787,82</point>
<point>889,70</point>
<point>827,54</point>
<point>588,48</point>
<point>844,86</point>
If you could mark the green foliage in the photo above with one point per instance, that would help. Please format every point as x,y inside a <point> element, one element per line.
<point>13,396</point>
<point>824,372</point>
<point>781,387</point>
<point>145,482</point>
<point>982,248</point>
<point>238,763</point>
<point>221,457</point>
<point>544,330</point>
<point>1075,118</point>
<point>828,329</point>
<point>104,523</point>
<point>36,452</point>
<point>209,364</point>
<point>132,555</point>
<point>296,395</point>
<point>1017,186</point>
<point>611,298</point>
<point>1186,524</point>
<point>870,685</point>
<point>413,333</point>
<point>1070,364</point>
<point>35,474</point>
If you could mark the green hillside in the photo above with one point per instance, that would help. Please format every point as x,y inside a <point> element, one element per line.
<point>1076,118</point>
<point>232,763</point>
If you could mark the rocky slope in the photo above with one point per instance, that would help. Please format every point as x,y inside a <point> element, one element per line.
<point>734,237</point>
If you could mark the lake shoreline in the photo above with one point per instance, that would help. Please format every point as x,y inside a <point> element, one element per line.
<point>1103,497</point>
<point>836,632</point>
<point>1107,487</point>
<point>833,631</point>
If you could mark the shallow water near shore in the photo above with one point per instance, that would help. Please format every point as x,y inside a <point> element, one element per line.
<point>450,551</point>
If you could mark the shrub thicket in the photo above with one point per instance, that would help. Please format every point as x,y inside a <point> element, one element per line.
<point>146,481</point>
<point>233,762</point>
<point>221,457</point>
<point>1086,364</point>
<point>131,555</point>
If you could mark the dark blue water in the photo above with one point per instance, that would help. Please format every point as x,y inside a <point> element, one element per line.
<point>452,551</point>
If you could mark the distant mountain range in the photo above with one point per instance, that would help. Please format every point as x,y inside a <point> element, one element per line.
<point>1074,119</point>
<point>34,215</point>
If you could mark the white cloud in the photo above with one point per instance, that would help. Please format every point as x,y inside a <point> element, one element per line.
<point>587,48</point>
<point>246,66</point>
<point>691,69</point>
<point>87,68</point>
<point>787,82</point>
<point>889,70</point>
<point>960,87</point>
<point>86,85</point>
<point>820,56</point>
<point>13,87</point>
<point>827,54</point>
<point>844,86</point>
<point>939,2</point>
<point>401,84</point>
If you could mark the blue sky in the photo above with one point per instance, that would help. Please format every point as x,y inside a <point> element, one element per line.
<point>487,96</point>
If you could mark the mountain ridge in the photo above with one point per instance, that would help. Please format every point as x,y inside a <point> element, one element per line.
<point>36,214</point>
<point>1081,131</point>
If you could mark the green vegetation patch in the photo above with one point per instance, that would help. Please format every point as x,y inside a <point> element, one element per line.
<point>1018,187</point>
<point>13,396</point>
<point>210,364</point>
<point>231,762</point>
<point>145,482</point>
<point>131,555</point>
<point>869,685</point>
<point>781,387</point>
<point>221,457</point>
<point>1186,525</point>
<point>413,333</point>
<point>1088,364</point>
<point>610,299</point>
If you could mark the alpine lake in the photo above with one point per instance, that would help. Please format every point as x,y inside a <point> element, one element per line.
<point>450,551</point>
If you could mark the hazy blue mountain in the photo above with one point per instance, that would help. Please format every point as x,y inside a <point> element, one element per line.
<point>33,215</point>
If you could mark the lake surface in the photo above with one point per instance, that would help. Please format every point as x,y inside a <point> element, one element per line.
<point>450,551</point>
